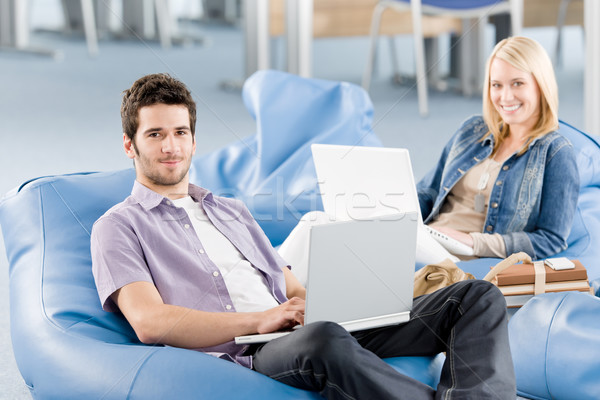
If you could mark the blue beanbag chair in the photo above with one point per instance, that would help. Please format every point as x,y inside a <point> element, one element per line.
<point>273,172</point>
<point>555,342</point>
<point>67,347</point>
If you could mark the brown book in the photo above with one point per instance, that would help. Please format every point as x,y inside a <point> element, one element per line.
<point>520,274</point>
<point>517,300</point>
<point>563,286</point>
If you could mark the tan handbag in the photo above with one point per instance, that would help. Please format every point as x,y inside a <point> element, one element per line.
<point>433,277</point>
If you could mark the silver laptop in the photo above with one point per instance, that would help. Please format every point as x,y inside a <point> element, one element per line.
<point>362,182</point>
<point>360,274</point>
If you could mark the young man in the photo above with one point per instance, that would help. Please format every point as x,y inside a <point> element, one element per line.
<point>193,270</point>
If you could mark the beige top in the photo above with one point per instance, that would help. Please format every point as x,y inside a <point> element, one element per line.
<point>459,211</point>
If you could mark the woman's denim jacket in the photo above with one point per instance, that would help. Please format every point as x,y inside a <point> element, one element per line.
<point>533,200</point>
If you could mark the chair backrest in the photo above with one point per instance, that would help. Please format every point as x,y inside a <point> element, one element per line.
<point>49,220</point>
<point>65,345</point>
<point>585,233</point>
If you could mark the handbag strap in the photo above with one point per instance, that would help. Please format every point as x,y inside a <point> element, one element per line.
<point>507,262</point>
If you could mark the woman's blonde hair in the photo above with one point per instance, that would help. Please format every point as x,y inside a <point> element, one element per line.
<point>528,56</point>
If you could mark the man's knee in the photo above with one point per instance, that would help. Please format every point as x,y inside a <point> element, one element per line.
<point>484,287</point>
<point>323,341</point>
<point>484,294</point>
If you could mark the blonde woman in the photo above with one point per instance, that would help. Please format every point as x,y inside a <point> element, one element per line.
<point>507,181</point>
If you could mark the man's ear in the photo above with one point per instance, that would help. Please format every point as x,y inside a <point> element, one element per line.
<point>128,146</point>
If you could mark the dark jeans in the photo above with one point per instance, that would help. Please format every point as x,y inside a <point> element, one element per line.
<point>466,320</point>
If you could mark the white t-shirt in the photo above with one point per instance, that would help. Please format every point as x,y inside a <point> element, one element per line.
<point>246,285</point>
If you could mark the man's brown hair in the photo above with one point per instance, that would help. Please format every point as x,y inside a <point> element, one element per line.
<point>150,90</point>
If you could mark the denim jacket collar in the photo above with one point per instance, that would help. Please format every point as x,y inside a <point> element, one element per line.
<point>533,199</point>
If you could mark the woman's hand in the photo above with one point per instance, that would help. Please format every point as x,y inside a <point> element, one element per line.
<point>458,235</point>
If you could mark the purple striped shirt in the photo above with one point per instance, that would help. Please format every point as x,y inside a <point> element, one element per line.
<point>147,238</point>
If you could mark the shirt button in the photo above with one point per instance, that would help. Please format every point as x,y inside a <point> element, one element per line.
<point>201,251</point>
<point>187,226</point>
<point>489,228</point>
<point>494,205</point>
<point>505,168</point>
<point>216,273</point>
<point>498,183</point>
<point>228,307</point>
<point>169,203</point>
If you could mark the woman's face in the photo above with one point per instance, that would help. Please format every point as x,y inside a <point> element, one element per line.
<point>515,94</point>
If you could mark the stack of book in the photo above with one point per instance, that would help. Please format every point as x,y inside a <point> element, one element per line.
<point>517,282</point>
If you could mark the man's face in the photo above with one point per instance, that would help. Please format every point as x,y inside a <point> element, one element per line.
<point>163,148</point>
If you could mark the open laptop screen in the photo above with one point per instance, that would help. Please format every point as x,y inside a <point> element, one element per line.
<point>363,182</point>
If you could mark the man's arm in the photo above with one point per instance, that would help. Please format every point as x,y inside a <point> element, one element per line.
<point>293,287</point>
<point>157,322</point>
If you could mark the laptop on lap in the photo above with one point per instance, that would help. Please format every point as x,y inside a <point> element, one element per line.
<point>360,274</point>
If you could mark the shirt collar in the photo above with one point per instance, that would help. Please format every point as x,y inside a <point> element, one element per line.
<point>489,141</point>
<point>537,139</point>
<point>201,195</point>
<point>149,199</point>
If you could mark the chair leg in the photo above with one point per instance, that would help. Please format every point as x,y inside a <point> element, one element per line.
<point>375,22</point>
<point>89,25</point>
<point>419,56</point>
<point>469,56</point>
<point>432,60</point>
<point>66,16</point>
<point>394,58</point>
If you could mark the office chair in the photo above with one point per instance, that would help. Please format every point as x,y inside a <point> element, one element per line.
<point>464,9</point>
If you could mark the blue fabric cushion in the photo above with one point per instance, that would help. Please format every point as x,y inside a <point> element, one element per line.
<point>67,347</point>
<point>585,231</point>
<point>272,172</point>
<point>554,341</point>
